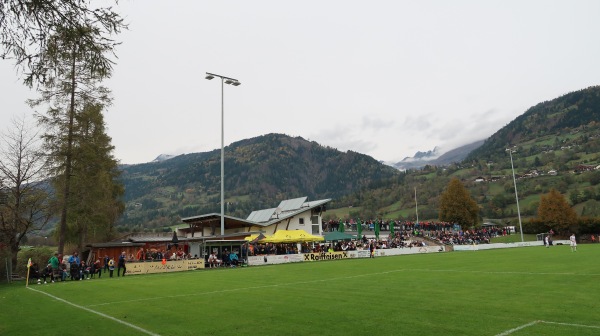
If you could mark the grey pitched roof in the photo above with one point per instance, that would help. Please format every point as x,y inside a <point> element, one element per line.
<point>265,217</point>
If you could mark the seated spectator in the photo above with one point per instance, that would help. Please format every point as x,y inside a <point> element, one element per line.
<point>47,272</point>
<point>96,268</point>
<point>214,261</point>
<point>225,257</point>
<point>233,259</point>
<point>34,272</point>
<point>62,272</point>
<point>84,271</point>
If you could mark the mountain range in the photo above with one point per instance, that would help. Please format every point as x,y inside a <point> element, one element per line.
<point>436,158</point>
<point>261,171</point>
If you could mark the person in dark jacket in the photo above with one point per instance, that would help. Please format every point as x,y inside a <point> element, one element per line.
<point>121,264</point>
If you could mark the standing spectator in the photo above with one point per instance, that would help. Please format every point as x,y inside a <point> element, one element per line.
<point>106,260</point>
<point>573,243</point>
<point>111,267</point>
<point>75,266</point>
<point>74,258</point>
<point>140,254</point>
<point>546,242</point>
<point>54,263</point>
<point>74,270</point>
<point>122,260</point>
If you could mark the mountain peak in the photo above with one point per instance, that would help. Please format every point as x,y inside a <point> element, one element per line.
<point>163,157</point>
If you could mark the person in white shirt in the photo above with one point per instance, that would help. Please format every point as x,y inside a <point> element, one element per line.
<point>546,242</point>
<point>213,260</point>
<point>573,243</point>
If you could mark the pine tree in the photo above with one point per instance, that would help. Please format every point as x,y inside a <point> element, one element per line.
<point>74,69</point>
<point>95,198</point>
<point>28,27</point>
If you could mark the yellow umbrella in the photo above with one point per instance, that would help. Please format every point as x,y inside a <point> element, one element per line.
<point>281,236</point>
<point>251,237</point>
<point>303,236</point>
<point>291,236</point>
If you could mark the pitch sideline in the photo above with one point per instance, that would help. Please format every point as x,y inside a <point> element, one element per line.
<point>527,325</point>
<point>329,279</point>
<point>97,313</point>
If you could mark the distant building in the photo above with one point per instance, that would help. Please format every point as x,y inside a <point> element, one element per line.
<point>202,235</point>
<point>203,231</point>
<point>584,168</point>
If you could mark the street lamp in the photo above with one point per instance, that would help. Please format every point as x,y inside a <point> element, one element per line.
<point>234,82</point>
<point>516,194</point>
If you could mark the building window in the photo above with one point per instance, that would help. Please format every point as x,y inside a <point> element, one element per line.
<point>301,220</point>
<point>315,229</point>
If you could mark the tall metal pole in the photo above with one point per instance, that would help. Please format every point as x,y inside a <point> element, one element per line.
<point>234,82</point>
<point>416,206</point>
<point>222,157</point>
<point>516,194</point>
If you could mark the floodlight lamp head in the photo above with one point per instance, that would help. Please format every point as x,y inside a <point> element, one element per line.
<point>228,81</point>
<point>209,76</point>
<point>236,83</point>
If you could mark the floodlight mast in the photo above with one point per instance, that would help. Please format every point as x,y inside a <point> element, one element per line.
<point>234,82</point>
<point>516,193</point>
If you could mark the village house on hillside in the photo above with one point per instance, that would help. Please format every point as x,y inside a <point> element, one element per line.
<point>584,168</point>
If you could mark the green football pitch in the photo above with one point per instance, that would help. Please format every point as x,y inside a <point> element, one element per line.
<point>520,291</point>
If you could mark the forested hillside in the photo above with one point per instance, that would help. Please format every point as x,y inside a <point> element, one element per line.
<point>555,144</point>
<point>259,172</point>
<point>569,114</point>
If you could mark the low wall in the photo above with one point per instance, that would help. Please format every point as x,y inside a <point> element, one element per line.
<point>169,266</point>
<point>314,257</point>
<point>192,264</point>
<point>504,245</point>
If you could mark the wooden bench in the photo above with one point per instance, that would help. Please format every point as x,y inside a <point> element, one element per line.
<point>16,277</point>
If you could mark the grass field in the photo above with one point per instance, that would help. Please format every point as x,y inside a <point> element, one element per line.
<point>520,291</point>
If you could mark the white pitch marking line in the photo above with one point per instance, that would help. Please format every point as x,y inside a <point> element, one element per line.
<point>323,280</point>
<point>572,324</point>
<point>508,332</point>
<point>97,313</point>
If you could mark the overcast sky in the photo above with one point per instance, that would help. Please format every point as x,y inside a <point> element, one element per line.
<point>383,78</point>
